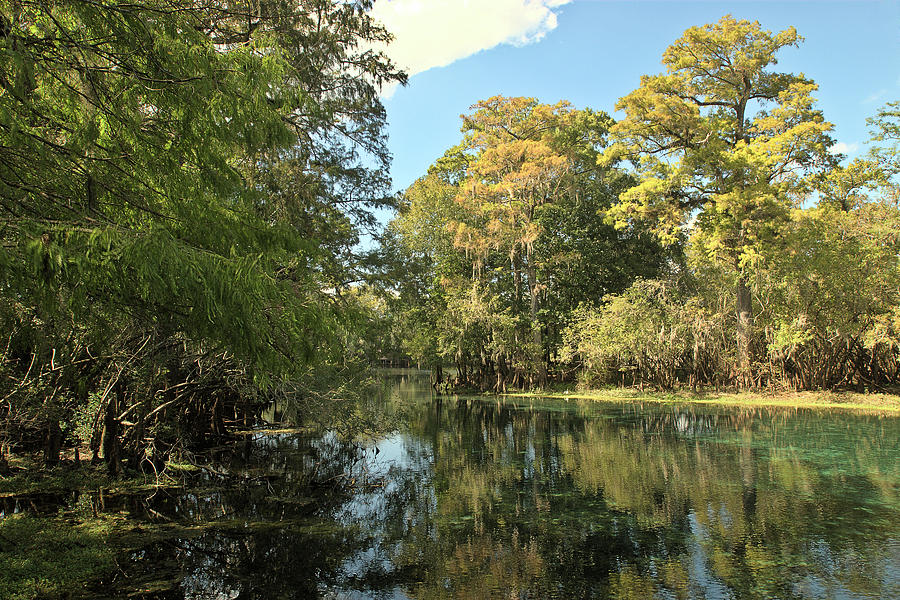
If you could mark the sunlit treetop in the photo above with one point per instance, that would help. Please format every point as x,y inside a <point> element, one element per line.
<point>720,137</point>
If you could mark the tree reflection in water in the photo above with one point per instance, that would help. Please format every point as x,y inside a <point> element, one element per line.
<point>478,498</point>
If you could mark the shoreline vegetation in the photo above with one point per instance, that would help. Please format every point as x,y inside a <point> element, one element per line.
<point>707,238</point>
<point>188,193</point>
<point>889,404</point>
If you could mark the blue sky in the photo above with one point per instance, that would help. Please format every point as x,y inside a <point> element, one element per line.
<point>592,52</point>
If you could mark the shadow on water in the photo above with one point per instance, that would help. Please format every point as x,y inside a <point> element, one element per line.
<point>481,498</point>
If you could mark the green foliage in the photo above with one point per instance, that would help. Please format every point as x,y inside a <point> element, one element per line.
<point>504,237</point>
<point>827,316</point>
<point>180,186</point>
<point>628,330</point>
<point>644,333</point>
<point>885,132</point>
<point>833,296</point>
<point>721,134</point>
<point>42,557</point>
<point>146,135</point>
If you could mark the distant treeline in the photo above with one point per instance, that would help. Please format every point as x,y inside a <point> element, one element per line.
<point>710,238</point>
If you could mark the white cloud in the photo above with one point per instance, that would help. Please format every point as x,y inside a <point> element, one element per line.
<point>435,33</point>
<point>844,148</point>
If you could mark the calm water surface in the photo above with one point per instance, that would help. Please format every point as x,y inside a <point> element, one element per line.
<point>485,498</point>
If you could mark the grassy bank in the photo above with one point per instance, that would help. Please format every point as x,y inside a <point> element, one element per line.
<point>883,403</point>
<point>77,553</point>
<point>28,475</point>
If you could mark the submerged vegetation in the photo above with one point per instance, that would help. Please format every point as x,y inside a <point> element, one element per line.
<point>52,555</point>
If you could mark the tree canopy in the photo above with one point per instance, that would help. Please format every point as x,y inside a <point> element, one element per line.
<point>187,172</point>
<point>723,145</point>
<point>506,223</point>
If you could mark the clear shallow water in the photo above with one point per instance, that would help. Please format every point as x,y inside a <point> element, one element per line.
<point>485,498</point>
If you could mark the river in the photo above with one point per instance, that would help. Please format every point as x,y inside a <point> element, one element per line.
<point>491,498</point>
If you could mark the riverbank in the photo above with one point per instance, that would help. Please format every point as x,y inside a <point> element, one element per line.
<point>854,401</point>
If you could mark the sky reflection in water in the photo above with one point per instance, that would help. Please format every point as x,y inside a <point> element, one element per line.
<point>480,498</point>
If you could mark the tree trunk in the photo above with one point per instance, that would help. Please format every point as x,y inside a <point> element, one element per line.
<point>4,464</point>
<point>110,437</point>
<point>743,330</point>
<point>536,332</point>
<point>517,280</point>
<point>52,443</point>
<point>438,378</point>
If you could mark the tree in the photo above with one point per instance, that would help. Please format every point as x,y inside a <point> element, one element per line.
<point>149,207</point>
<point>517,169</point>
<point>885,130</point>
<point>832,297</point>
<point>418,249</point>
<point>723,146</point>
<point>885,148</point>
<point>504,238</point>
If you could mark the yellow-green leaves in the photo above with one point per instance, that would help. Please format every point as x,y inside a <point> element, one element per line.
<point>517,165</point>
<point>885,149</point>
<point>724,146</point>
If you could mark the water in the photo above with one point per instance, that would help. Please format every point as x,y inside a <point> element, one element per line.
<point>484,498</point>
